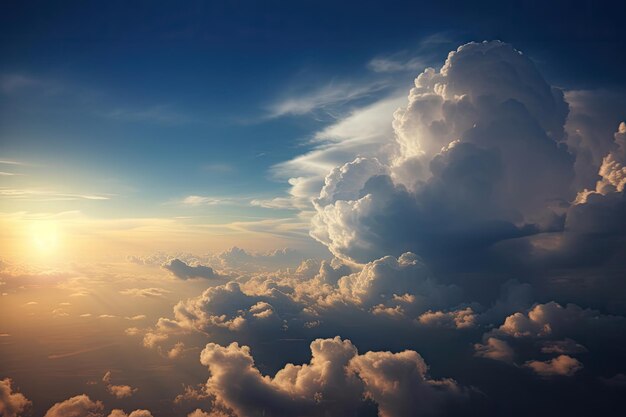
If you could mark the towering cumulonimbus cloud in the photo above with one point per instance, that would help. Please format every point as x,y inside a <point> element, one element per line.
<point>481,158</point>
<point>461,243</point>
<point>591,122</point>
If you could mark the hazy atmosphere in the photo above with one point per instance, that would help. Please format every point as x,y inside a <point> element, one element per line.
<point>311,208</point>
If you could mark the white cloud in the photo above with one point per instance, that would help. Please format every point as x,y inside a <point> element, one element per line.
<point>553,320</point>
<point>324,98</point>
<point>48,195</point>
<point>399,384</point>
<point>334,382</point>
<point>315,291</point>
<point>415,61</point>
<point>364,132</point>
<point>459,176</point>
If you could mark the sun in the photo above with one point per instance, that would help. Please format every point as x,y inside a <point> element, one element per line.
<point>45,236</point>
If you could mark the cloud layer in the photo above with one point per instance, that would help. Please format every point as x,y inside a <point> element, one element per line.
<point>481,230</point>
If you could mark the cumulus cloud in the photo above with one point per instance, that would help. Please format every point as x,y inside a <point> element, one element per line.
<point>365,132</point>
<point>183,271</point>
<point>553,329</point>
<point>459,319</point>
<point>83,406</point>
<point>562,365</point>
<point>590,126</point>
<point>12,404</point>
<point>78,406</point>
<point>334,382</point>
<point>199,413</point>
<point>230,261</point>
<point>612,171</point>
<point>132,331</point>
<point>399,384</point>
<point>596,217</point>
<point>192,394</point>
<point>238,259</point>
<point>136,413</point>
<point>318,296</point>
<point>450,218</point>
<point>554,320</point>
<point>495,349</point>
<point>176,351</point>
<point>119,391</point>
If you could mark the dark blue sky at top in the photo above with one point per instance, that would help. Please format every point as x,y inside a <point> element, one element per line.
<point>150,93</point>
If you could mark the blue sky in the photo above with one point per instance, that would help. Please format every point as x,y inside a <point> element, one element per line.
<point>429,196</point>
<point>147,106</point>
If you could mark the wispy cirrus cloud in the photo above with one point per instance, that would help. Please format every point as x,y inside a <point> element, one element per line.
<point>48,195</point>
<point>327,98</point>
<point>365,131</point>
<point>389,64</point>
<point>151,292</point>
<point>11,165</point>
<point>412,61</point>
<point>200,200</point>
<point>10,162</point>
<point>361,126</point>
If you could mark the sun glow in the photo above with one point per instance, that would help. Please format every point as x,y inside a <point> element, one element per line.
<point>45,236</point>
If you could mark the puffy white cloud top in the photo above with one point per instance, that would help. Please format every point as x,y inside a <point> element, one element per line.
<point>480,158</point>
<point>333,383</point>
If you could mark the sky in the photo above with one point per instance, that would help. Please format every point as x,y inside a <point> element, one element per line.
<point>312,208</point>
